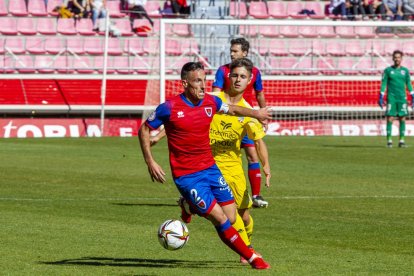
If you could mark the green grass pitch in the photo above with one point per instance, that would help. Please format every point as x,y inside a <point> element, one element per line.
<point>338,205</point>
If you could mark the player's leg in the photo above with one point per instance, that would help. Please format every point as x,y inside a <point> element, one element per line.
<point>390,113</point>
<point>402,111</point>
<point>254,173</point>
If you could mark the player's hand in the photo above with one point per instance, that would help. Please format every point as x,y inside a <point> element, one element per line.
<point>154,140</point>
<point>381,100</point>
<point>265,124</point>
<point>264,114</point>
<point>266,171</point>
<point>156,172</point>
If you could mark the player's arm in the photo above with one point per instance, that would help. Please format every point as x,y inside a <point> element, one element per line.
<point>258,88</point>
<point>260,99</point>
<point>155,170</point>
<point>263,154</point>
<point>262,114</point>
<point>218,83</point>
<point>384,84</point>
<point>155,139</point>
<point>410,87</point>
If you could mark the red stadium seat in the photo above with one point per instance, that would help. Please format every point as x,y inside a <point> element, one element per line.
<point>306,67</point>
<point>124,27</point>
<point>346,66</point>
<point>15,44</point>
<point>381,64</point>
<point>83,65</point>
<point>263,48</point>
<point>51,5</point>
<point>44,64</point>
<point>308,31</point>
<point>93,45</point>
<point>277,9</point>
<point>326,31</point>
<point>269,31</point>
<point>190,47</point>
<point>345,31</point>
<point>64,64</point>
<point>7,65</point>
<point>391,45</point>
<point>288,66</point>
<point>143,65</point>
<point>365,67</point>
<point>274,64</point>
<point>8,26</point>
<point>133,46</point>
<point>408,48</point>
<point>289,31</point>
<point>55,45</point>
<point>35,45</point>
<point>172,47</point>
<point>153,9</point>
<point>317,8</point>
<point>182,29</point>
<point>37,8</point>
<point>327,66</point>
<point>299,47</point>
<point>294,8</point>
<point>278,49</point>
<point>75,46</point>
<point>114,46</point>
<point>99,64</point>
<point>24,64</point>
<point>354,48</point>
<point>375,47</point>
<point>258,10</point>
<point>319,47</point>
<point>249,31</point>
<point>85,27</point>
<point>122,65</point>
<point>46,26</point>
<point>335,48</point>
<point>115,9</point>
<point>18,8</point>
<point>238,9</point>
<point>365,32</point>
<point>26,26</point>
<point>3,8</point>
<point>2,41</point>
<point>150,46</point>
<point>66,26</point>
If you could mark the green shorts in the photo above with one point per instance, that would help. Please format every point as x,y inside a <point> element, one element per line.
<point>396,109</point>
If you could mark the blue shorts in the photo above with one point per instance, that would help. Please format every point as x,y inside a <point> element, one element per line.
<point>246,142</point>
<point>204,188</point>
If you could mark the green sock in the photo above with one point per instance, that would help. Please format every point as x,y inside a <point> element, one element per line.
<point>389,131</point>
<point>402,130</point>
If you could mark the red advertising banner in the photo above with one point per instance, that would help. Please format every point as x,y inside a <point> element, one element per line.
<point>38,128</point>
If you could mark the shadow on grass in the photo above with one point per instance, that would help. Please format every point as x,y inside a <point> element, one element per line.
<point>353,146</point>
<point>146,204</point>
<point>135,262</point>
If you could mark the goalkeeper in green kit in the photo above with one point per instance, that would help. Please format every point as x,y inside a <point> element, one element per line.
<point>395,80</point>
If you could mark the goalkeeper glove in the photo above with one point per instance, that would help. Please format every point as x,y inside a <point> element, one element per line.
<point>381,100</point>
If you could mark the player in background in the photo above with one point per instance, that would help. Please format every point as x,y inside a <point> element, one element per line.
<point>239,48</point>
<point>395,80</point>
<point>226,134</point>
<point>186,118</point>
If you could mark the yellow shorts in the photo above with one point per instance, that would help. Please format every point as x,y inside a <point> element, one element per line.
<point>237,183</point>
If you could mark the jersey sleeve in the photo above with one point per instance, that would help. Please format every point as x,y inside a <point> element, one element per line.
<point>258,84</point>
<point>384,81</point>
<point>159,116</point>
<point>219,79</point>
<point>254,130</point>
<point>220,106</point>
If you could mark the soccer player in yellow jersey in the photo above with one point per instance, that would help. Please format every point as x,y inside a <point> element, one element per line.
<point>226,134</point>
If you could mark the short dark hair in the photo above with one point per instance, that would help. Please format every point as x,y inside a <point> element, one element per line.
<point>242,62</point>
<point>245,45</point>
<point>396,52</point>
<point>190,66</point>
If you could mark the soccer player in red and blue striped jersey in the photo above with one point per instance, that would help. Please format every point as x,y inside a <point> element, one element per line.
<point>187,119</point>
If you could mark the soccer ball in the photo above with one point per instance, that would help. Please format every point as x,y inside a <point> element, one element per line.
<point>173,234</point>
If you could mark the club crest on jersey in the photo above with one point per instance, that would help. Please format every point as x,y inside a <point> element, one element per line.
<point>240,119</point>
<point>180,114</point>
<point>403,73</point>
<point>198,200</point>
<point>151,117</point>
<point>222,181</point>
<point>209,111</point>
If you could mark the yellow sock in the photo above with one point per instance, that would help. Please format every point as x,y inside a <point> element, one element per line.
<point>239,226</point>
<point>249,230</point>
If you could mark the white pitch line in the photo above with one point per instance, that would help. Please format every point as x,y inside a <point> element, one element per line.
<point>163,199</point>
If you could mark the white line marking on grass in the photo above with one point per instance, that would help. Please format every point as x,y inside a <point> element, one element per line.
<point>163,199</point>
